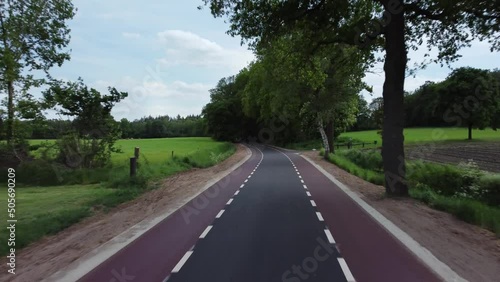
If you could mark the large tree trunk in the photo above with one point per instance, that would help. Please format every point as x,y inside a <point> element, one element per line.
<point>10,112</point>
<point>330,136</point>
<point>470,131</point>
<point>10,82</point>
<point>324,137</point>
<point>392,130</point>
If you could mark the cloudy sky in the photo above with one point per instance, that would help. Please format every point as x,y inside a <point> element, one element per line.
<point>167,54</point>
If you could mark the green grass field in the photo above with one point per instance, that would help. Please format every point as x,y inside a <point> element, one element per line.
<point>46,210</point>
<point>156,150</point>
<point>418,135</point>
<point>412,136</point>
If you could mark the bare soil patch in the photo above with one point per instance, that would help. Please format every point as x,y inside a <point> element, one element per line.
<point>53,253</point>
<point>485,154</point>
<point>472,252</point>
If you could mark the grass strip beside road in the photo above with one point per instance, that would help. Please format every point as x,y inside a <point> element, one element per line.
<point>43,211</point>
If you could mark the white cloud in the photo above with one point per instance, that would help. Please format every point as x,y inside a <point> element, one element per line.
<point>154,97</point>
<point>131,35</point>
<point>187,48</point>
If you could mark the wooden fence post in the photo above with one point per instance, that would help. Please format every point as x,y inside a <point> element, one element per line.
<point>137,152</point>
<point>133,167</point>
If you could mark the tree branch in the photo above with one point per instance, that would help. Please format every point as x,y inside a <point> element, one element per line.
<point>415,8</point>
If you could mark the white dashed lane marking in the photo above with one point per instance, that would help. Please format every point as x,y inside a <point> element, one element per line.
<point>347,273</point>
<point>242,185</point>
<point>182,262</point>
<point>220,214</point>
<point>229,202</point>
<point>237,192</point>
<point>345,269</point>
<point>329,236</point>
<point>204,234</point>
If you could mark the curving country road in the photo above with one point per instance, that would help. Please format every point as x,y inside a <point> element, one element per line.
<point>275,218</point>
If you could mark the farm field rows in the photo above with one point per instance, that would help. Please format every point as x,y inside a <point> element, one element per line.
<point>446,145</point>
<point>442,145</point>
<point>485,154</point>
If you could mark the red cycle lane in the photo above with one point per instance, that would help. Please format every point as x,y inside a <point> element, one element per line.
<point>152,256</point>
<point>371,252</point>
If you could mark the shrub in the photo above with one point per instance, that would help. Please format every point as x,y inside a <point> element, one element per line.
<point>423,193</point>
<point>37,172</point>
<point>35,147</point>
<point>367,159</point>
<point>470,178</point>
<point>347,165</point>
<point>490,184</point>
<point>444,179</point>
<point>77,151</point>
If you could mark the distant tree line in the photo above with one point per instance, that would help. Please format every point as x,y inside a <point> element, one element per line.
<point>468,97</point>
<point>163,127</point>
<point>146,127</point>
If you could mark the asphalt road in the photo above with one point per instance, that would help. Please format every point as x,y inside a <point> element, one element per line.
<point>276,218</point>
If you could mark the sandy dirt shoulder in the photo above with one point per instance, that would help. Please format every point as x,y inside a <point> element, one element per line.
<point>472,252</point>
<point>53,253</point>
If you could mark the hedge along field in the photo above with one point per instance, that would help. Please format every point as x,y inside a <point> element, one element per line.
<point>48,209</point>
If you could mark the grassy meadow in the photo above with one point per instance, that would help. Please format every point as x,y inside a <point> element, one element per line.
<point>51,198</point>
<point>419,135</point>
<point>412,136</point>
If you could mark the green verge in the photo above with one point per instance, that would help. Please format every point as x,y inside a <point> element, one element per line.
<point>43,211</point>
<point>465,192</point>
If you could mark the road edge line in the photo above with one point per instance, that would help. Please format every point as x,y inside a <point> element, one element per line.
<point>422,253</point>
<point>80,267</point>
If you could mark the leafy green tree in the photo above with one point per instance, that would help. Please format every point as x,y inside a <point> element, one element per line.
<point>377,112</point>
<point>125,128</point>
<point>322,92</point>
<point>422,106</point>
<point>394,25</point>
<point>471,100</point>
<point>224,115</point>
<point>95,132</point>
<point>33,36</point>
